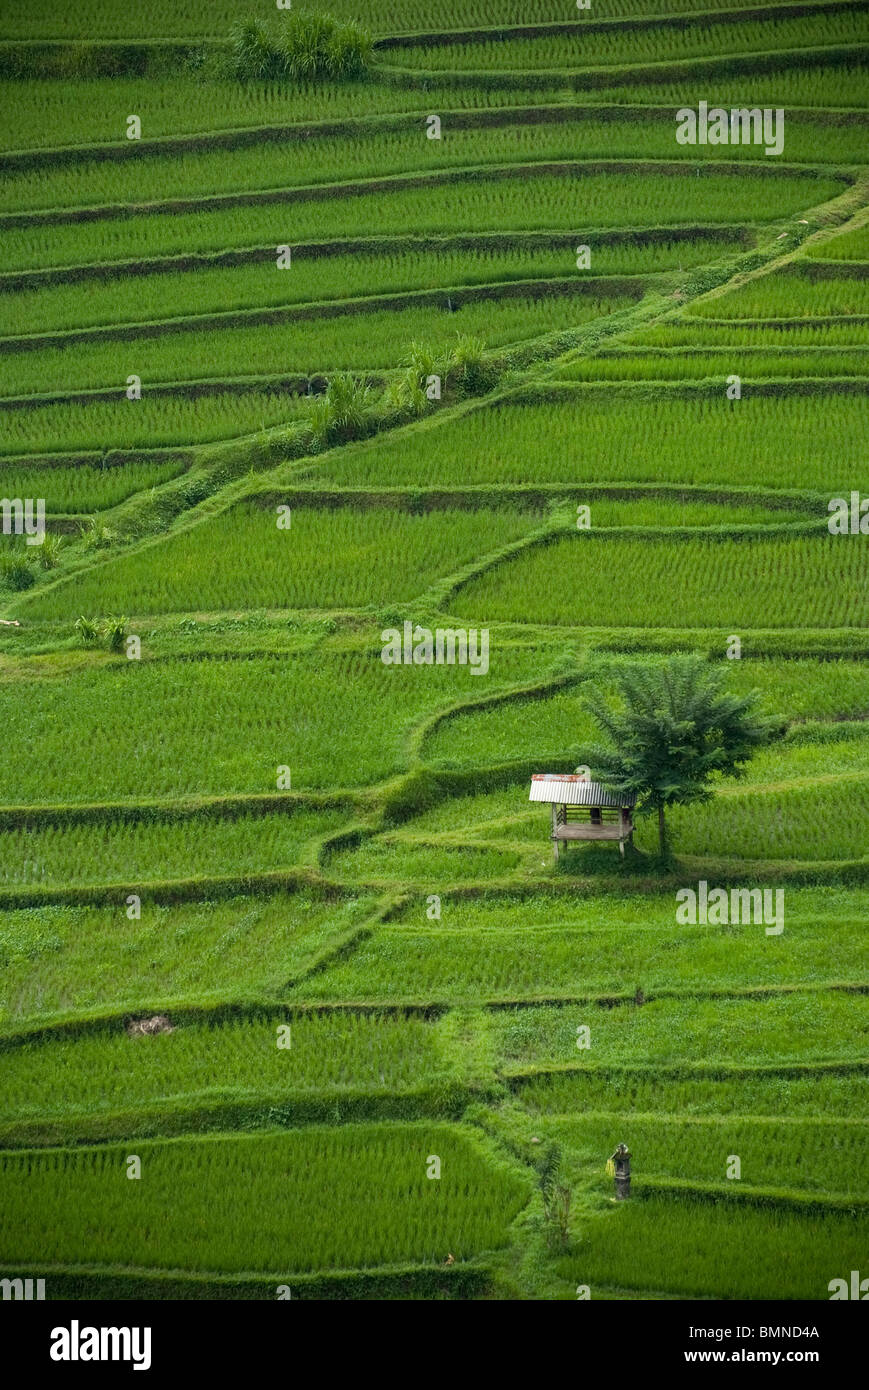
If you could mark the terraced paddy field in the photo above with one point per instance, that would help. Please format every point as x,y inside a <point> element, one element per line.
<point>368,424</point>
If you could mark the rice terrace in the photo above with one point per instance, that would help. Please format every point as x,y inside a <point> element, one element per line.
<point>434,668</point>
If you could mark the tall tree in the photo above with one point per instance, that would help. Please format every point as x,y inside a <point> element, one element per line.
<point>673,727</point>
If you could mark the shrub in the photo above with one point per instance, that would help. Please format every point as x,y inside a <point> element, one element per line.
<point>96,535</point>
<point>343,413</point>
<point>468,370</point>
<point>16,570</point>
<point>49,551</point>
<point>87,630</point>
<point>253,55</point>
<point>114,630</point>
<point>310,47</point>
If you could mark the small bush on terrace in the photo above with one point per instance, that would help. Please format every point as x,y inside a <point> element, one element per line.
<point>343,413</point>
<point>16,571</point>
<point>310,46</point>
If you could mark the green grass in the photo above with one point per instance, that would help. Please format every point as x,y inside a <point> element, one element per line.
<point>696,1250</point>
<point>448,205</point>
<point>785,442</point>
<point>115,852</point>
<point>381,1208</point>
<point>68,960</point>
<point>326,559</point>
<point>812,582</point>
<point>338,1053</point>
<point>388,268</point>
<point>374,339</point>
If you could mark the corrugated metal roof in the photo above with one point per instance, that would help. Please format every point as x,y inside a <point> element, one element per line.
<point>573,791</point>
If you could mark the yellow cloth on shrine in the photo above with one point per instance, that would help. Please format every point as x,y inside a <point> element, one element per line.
<point>610,1168</point>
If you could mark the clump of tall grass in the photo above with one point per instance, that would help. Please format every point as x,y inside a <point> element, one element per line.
<point>311,46</point>
<point>112,631</point>
<point>16,570</point>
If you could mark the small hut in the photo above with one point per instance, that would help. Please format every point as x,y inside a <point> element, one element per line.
<point>583,810</point>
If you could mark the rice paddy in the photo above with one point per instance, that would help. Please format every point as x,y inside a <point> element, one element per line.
<point>469,346</point>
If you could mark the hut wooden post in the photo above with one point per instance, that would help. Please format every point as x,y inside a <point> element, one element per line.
<point>554,827</point>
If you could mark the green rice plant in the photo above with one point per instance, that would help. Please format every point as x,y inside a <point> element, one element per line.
<point>806,1156</point>
<point>847,246</point>
<point>838,332</point>
<point>799,689</point>
<point>86,109</point>
<point>529,961</point>
<point>73,486</point>
<point>810,82</point>
<point>652,44</point>
<point>332,1053</point>
<point>72,960</point>
<point>814,1026</point>
<point>810,581</point>
<point>403,861</point>
<point>361,340</point>
<point>648,1092</point>
<point>330,158</point>
<point>116,851</point>
<point>785,441</point>
<point>696,1250</point>
<point>162,421</point>
<point>381,1208</point>
<point>171,19</point>
<point>336,558</point>
<point>435,205</point>
<point>818,820</point>
<point>749,363</point>
<point>788,294</point>
<point>378,267</point>
<point>179,727</point>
